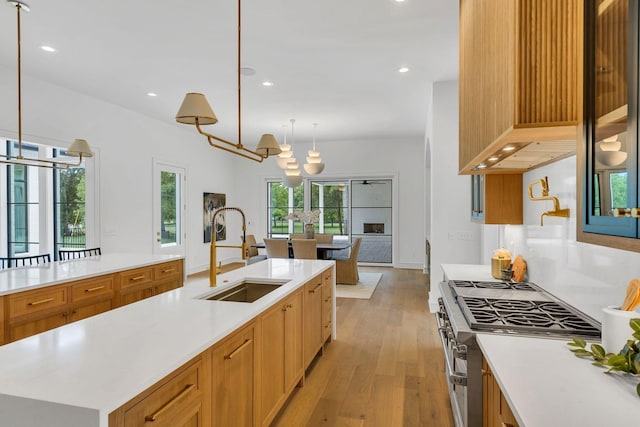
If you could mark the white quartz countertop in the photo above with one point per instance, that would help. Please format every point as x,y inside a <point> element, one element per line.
<point>98,364</point>
<point>546,385</point>
<point>543,382</point>
<point>24,278</point>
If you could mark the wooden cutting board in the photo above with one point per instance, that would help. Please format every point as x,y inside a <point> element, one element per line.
<point>519,269</point>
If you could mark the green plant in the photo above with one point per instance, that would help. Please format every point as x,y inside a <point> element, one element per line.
<point>627,360</point>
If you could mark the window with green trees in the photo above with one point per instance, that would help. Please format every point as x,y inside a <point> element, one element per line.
<point>282,202</point>
<point>69,207</point>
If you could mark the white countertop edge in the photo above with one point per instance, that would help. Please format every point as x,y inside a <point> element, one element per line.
<point>19,279</point>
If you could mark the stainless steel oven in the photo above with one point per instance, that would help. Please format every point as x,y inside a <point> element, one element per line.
<point>517,308</point>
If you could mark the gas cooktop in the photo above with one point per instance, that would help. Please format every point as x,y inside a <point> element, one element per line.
<point>519,307</point>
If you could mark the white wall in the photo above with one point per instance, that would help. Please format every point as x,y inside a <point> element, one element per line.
<point>551,251</point>
<point>403,158</point>
<point>450,192</point>
<point>127,142</point>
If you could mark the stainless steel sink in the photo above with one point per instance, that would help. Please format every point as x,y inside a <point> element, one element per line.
<point>246,291</point>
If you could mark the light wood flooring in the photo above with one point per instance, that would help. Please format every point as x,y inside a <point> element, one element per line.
<point>386,367</point>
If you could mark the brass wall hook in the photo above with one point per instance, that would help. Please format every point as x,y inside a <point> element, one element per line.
<point>544,184</point>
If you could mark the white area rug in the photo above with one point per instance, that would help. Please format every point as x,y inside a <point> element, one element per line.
<point>363,289</point>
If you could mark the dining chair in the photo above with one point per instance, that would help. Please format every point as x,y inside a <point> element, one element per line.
<point>254,255</point>
<point>324,237</point>
<point>296,236</point>
<point>10,262</point>
<point>305,248</point>
<point>347,269</point>
<point>276,248</point>
<point>65,254</point>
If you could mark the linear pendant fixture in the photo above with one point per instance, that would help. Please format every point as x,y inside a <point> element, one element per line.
<point>195,110</point>
<point>79,148</point>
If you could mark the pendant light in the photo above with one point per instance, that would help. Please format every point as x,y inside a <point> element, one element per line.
<point>292,175</point>
<point>195,110</point>
<point>314,164</point>
<point>80,148</point>
<point>285,154</point>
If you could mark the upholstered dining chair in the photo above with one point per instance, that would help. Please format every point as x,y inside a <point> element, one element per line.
<point>254,255</point>
<point>296,236</point>
<point>305,248</point>
<point>324,237</point>
<point>347,269</point>
<point>276,248</point>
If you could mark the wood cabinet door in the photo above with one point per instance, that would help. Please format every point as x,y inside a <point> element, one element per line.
<point>272,387</point>
<point>233,381</point>
<point>87,310</point>
<point>327,309</point>
<point>35,326</point>
<point>135,295</point>
<point>166,286</point>
<point>312,319</point>
<point>293,321</point>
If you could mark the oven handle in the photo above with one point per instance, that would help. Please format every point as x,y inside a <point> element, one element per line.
<point>455,378</point>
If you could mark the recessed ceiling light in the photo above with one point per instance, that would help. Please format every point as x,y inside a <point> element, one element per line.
<point>403,70</point>
<point>47,48</point>
<point>399,1</point>
<point>267,83</point>
<point>509,148</point>
<point>493,158</point>
<point>152,94</point>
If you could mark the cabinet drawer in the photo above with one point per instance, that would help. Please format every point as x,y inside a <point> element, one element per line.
<point>169,269</point>
<point>326,276</point>
<point>169,401</point>
<point>313,286</point>
<point>136,277</point>
<point>34,301</point>
<point>91,289</point>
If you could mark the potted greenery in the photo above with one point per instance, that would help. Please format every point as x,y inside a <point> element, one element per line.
<point>627,360</point>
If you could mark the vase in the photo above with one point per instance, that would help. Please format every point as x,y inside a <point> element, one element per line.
<point>309,232</point>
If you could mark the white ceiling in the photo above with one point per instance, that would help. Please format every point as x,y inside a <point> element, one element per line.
<point>333,62</point>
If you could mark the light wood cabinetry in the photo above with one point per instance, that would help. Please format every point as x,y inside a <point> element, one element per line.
<point>327,305</point>
<point>233,380</point>
<point>519,77</point>
<point>495,409</point>
<point>142,283</point>
<point>281,355</point>
<point>2,325</point>
<point>496,198</point>
<point>32,312</point>
<point>179,400</point>
<point>312,319</point>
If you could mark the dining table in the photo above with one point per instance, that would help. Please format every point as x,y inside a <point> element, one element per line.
<point>324,249</point>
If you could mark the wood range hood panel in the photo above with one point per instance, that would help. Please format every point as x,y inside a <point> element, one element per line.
<point>520,83</point>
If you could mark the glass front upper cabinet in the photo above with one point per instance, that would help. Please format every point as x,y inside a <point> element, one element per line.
<point>609,156</point>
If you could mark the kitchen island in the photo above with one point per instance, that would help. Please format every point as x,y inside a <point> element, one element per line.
<point>543,383</point>
<point>78,374</point>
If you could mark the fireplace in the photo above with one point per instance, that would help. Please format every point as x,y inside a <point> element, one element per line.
<point>373,227</point>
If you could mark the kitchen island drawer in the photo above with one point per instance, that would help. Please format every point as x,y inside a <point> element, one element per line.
<point>34,301</point>
<point>173,403</point>
<point>88,289</point>
<point>168,269</point>
<point>137,277</point>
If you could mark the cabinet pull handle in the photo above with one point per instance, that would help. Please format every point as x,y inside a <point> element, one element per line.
<point>327,299</point>
<point>503,424</point>
<point>234,352</point>
<point>97,288</point>
<point>313,291</point>
<point>169,270</point>
<point>42,301</point>
<point>169,404</point>
<point>134,279</point>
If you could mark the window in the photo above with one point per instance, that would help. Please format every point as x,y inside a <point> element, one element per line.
<point>46,209</point>
<point>349,208</point>
<point>282,202</point>
<point>69,191</point>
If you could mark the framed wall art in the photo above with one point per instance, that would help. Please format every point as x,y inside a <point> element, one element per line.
<point>211,202</point>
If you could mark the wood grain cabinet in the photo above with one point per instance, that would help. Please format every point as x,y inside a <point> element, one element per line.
<point>142,283</point>
<point>179,400</point>
<point>36,311</point>
<point>327,306</point>
<point>2,332</point>
<point>281,355</point>
<point>495,409</point>
<point>519,83</point>
<point>496,198</point>
<point>312,319</point>
<point>233,380</point>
